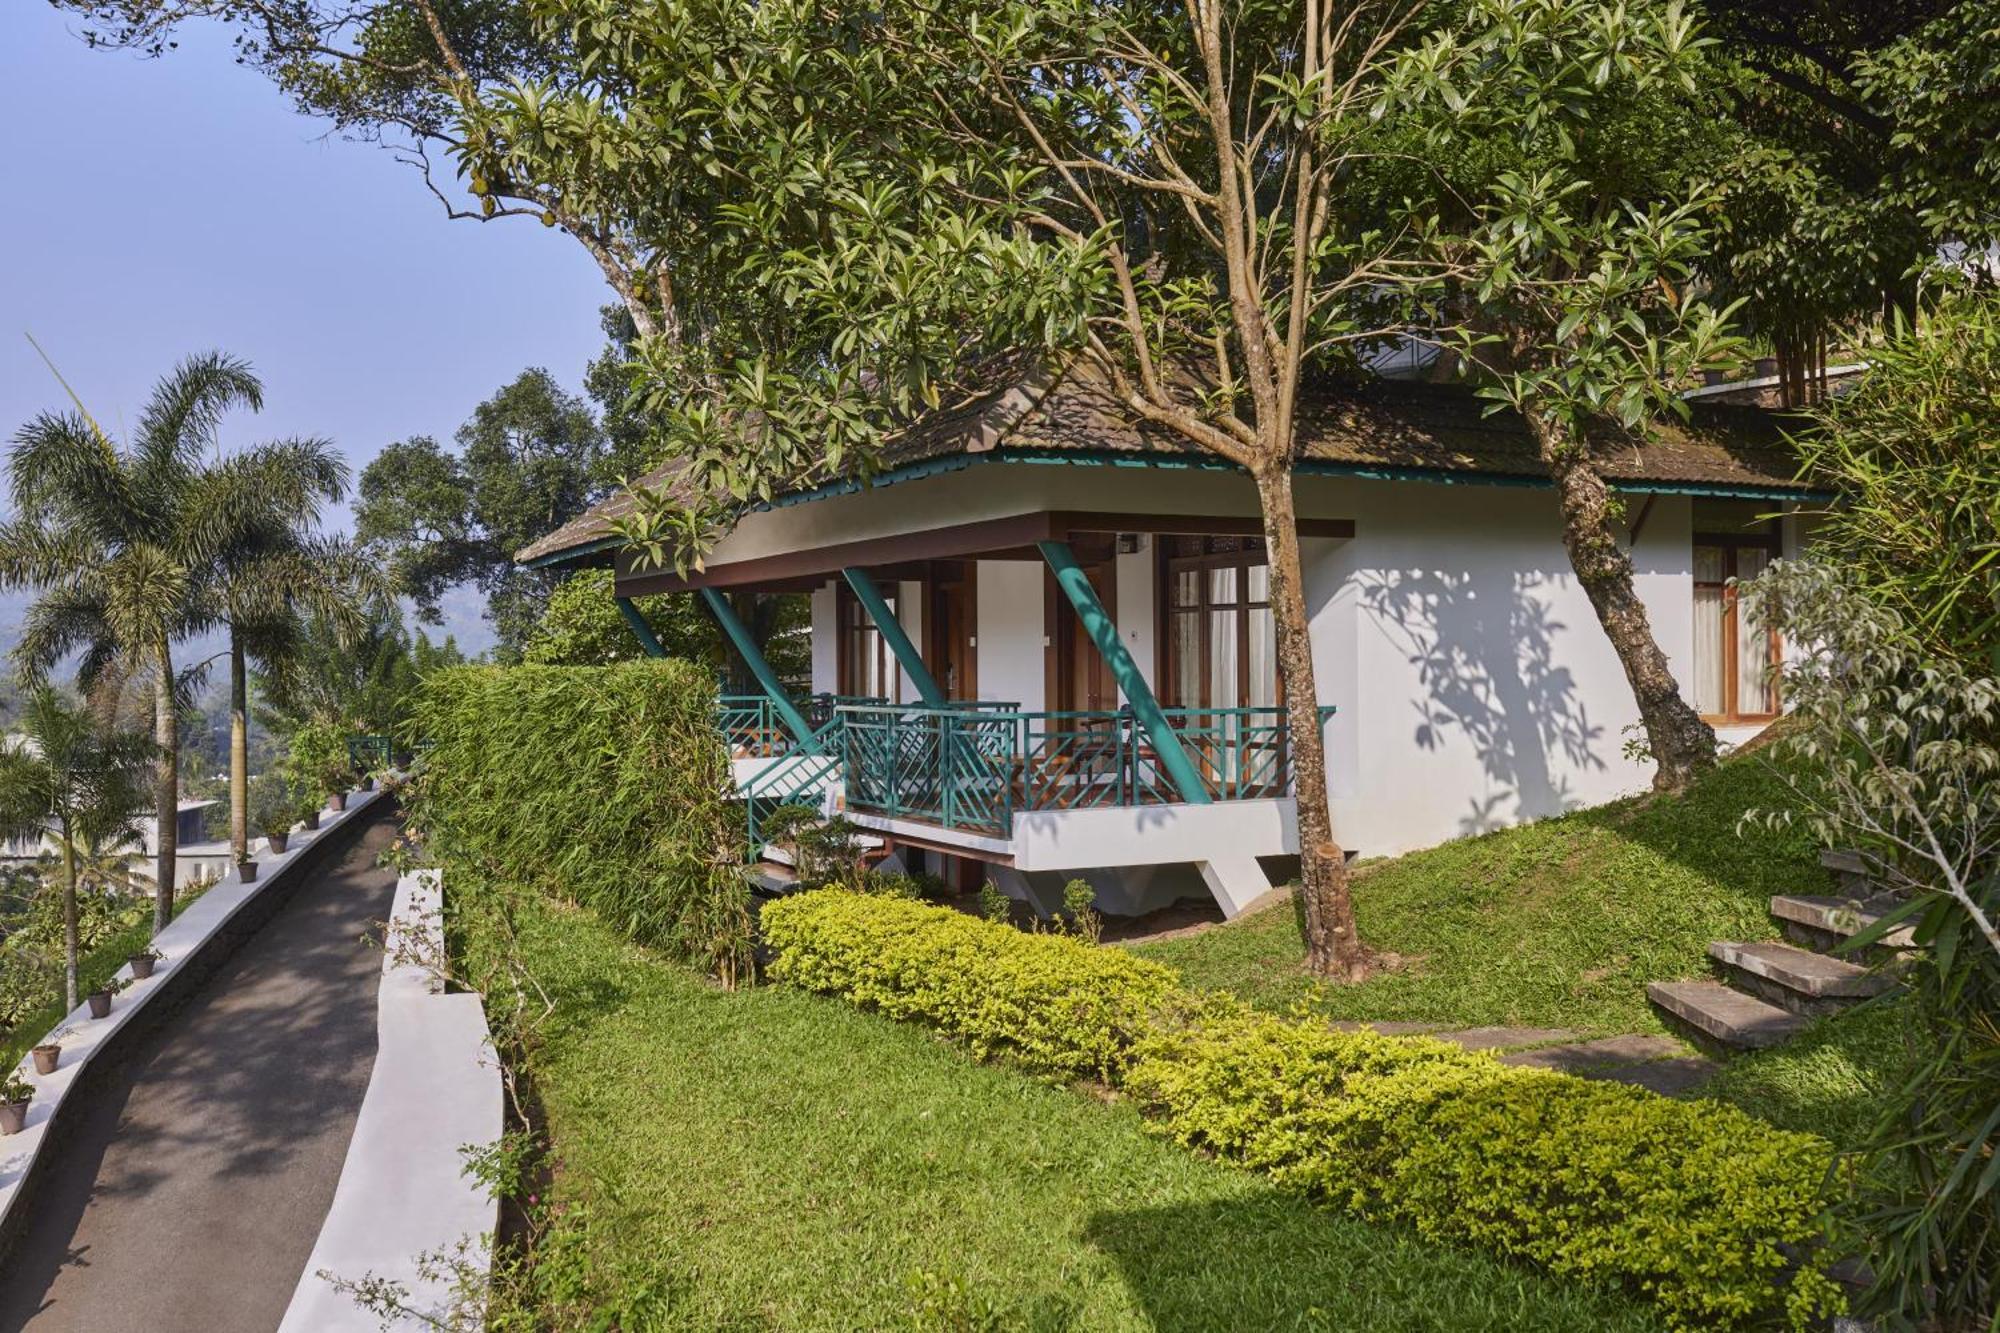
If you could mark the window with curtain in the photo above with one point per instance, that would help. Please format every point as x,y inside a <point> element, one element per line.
<point>868,668</point>
<point>1221,643</point>
<point>1733,654</point>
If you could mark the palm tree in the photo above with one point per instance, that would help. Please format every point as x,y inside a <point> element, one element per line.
<point>78,780</point>
<point>273,569</point>
<point>117,542</point>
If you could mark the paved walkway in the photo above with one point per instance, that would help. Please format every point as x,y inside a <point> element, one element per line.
<point>189,1197</point>
<point>1660,1064</point>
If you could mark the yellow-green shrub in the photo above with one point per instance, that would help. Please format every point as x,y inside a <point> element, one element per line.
<point>1056,1003</point>
<point>1701,1207</point>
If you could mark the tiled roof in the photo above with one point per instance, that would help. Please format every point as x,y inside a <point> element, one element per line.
<point>1381,428</point>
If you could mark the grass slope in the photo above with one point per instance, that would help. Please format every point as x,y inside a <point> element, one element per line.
<point>1559,923</point>
<point>769,1159</point>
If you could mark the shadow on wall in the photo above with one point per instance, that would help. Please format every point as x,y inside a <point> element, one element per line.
<point>1483,644</point>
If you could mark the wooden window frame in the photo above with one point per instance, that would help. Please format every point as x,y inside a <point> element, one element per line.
<point>1729,544</point>
<point>1249,551</point>
<point>851,618</point>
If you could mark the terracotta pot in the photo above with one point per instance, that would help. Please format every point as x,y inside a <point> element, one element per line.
<point>277,841</point>
<point>13,1117</point>
<point>246,871</point>
<point>337,801</point>
<point>46,1058</point>
<point>142,967</point>
<point>311,822</point>
<point>100,1003</point>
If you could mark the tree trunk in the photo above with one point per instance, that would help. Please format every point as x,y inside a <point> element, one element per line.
<point>71,945</point>
<point>167,787</point>
<point>239,750</point>
<point>1683,745</point>
<point>1333,945</point>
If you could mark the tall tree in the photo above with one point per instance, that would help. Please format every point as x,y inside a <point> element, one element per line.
<point>527,460</point>
<point>84,783</point>
<point>116,541</point>
<point>272,569</point>
<point>1572,210</point>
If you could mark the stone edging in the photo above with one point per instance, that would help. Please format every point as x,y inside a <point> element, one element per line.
<point>191,948</point>
<point>403,1191</point>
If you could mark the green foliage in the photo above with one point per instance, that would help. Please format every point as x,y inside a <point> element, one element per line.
<point>1902,755</point>
<point>1056,1004</point>
<point>582,626</point>
<point>1833,1081</point>
<point>359,684</point>
<point>529,459</point>
<point>1911,451</point>
<point>599,785</point>
<point>1700,1207</point>
<point>1080,910</point>
<point>1580,264</point>
<point>274,806</point>
<point>1556,923</point>
<point>318,765</point>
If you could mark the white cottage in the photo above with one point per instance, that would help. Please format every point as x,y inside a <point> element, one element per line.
<point>1042,649</point>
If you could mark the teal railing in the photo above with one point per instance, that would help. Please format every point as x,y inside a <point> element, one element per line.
<point>369,754</point>
<point>754,728</point>
<point>973,767</point>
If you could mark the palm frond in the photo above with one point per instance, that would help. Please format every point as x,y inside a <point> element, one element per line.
<point>181,417</point>
<point>65,471</point>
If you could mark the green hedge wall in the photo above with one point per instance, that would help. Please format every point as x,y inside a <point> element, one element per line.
<point>1712,1214</point>
<point>603,786</point>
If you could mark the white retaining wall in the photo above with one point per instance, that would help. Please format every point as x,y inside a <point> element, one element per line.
<point>403,1192</point>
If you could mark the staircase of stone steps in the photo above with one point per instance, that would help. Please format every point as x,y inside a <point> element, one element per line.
<point>1766,992</point>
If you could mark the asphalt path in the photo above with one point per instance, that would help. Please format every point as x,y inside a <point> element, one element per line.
<point>190,1194</point>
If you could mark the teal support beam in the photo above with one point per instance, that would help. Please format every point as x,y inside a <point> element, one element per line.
<point>746,647</point>
<point>640,629</point>
<point>1097,623</point>
<point>892,634</point>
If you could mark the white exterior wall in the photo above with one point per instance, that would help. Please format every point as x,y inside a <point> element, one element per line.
<point>1474,686</point>
<point>1011,662</point>
<point>826,644</point>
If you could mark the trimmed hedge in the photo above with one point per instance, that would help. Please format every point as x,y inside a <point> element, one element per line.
<point>604,786</point>
<point>1055,1003</point>
<point>1699,1206</point>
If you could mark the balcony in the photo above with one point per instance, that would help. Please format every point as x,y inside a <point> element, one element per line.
<point>975,767</point>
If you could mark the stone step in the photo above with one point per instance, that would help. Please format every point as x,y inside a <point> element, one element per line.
<point>1850,868</point>
<point>1825,920</point>
<point>773,878</point>
<point>1719,1016</point>
<point>1796,979</point>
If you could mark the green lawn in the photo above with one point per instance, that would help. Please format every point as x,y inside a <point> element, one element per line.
<point>1557,924</point>
<point>1829,1081</point>
<point>769,1159</point>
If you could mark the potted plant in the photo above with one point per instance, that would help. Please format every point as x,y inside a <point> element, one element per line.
<point>15,1094</point>
<point>246,870</point>
<point>100,999</point>
<point>142,964</point>
<point>49,1053</point>
<point>308,813</point>
<point>271,808</point>
<point>319,763</point>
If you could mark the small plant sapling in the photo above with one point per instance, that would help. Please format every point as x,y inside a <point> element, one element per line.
<point>994,905</point>
<point>1080,910</point>
<point>15,1094</point>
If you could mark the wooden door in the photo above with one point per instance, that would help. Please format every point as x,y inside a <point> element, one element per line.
<point>952,647</point>
<point>1082,678</point>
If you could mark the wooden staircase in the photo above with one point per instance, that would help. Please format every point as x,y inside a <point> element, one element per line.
<point>1766,991</point>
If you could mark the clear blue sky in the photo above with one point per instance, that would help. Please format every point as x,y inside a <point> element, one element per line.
<point>159,207</point>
